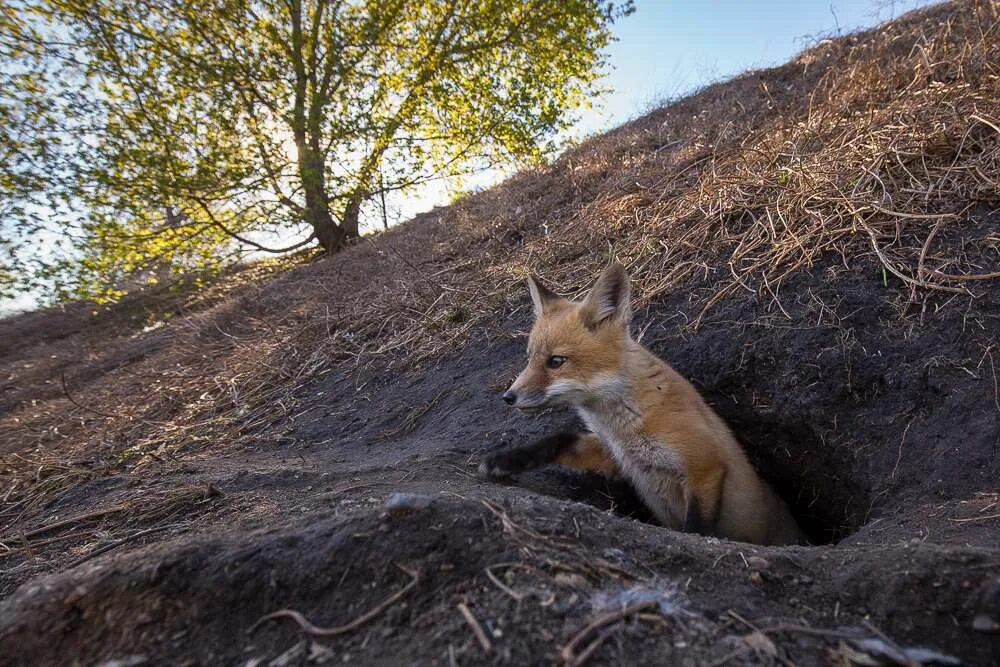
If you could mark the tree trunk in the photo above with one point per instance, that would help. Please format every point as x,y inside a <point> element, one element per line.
<point>349,223</point>
<point>310,158</point>
<point>317,211</point>
<point>331,237</point>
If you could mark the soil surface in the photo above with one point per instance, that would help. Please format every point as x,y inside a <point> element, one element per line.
<point>881,432</point>
<point>199,490</point>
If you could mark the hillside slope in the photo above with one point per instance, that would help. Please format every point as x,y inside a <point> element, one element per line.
<point>815,246</point>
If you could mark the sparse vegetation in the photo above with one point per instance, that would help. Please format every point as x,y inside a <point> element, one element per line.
<point>815,246</point>
<point>888,143</point>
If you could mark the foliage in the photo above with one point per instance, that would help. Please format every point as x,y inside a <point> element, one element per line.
<point>167,134</point>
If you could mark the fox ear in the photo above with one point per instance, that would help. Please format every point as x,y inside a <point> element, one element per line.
<point>608,299</point>
<point>541,295</point>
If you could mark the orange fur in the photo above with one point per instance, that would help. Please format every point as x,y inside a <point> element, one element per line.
<point>651,424</point>
<point>588,454</point>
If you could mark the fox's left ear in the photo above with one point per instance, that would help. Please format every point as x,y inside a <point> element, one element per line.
<point>609,298</point>
<point>541,296</point>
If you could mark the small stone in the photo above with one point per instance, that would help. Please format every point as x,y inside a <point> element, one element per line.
<point>75,596</point>
<point>128,661</point>
<point>984,623</point>
<point>615,554</point>
<point>403,503</point>
<point>760,644</point>
<point>320,654</point>
<point>758,563</point>
<point>756,577</point>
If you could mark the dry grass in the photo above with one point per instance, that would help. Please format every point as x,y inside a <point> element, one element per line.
<point>884,144</point>
<point>149,511</point>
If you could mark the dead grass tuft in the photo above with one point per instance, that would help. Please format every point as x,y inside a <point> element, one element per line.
<point>151,512</point>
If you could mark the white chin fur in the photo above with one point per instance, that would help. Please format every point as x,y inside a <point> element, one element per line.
<point>565,392</point>
<point>602,386</point>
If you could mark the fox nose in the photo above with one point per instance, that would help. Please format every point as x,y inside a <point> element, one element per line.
<point>509,397</point>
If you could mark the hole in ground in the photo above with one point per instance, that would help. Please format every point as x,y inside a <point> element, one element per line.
<point>818,499</point>
<point>814,480</point>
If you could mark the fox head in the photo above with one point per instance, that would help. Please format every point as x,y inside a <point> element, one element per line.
<point>576,348</point>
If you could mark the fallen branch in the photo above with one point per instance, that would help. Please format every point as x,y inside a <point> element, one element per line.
<point>316,631</point>
<point>117,543</point>
<point>975,518</point>
<point>790,628</point>
<point>40,543</point>
<point>960,277</point>
<point>66,522</point>
<point>69,397</point>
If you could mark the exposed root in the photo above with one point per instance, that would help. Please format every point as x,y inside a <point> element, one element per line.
<point>317,631</point>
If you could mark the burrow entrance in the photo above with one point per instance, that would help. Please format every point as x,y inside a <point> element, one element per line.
<point>814,481</point>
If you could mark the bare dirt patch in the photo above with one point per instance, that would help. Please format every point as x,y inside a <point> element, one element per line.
<point>164,490</point>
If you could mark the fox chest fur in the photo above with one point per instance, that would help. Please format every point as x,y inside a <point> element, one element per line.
<point>655,470</point>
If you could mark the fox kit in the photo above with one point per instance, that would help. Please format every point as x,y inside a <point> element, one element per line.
<point>646,422</point>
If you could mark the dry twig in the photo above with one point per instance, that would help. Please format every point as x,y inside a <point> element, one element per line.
<point>568,653</point>
<point>477,629</point>
<point>316,631</point>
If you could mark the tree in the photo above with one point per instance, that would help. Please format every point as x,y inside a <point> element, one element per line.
<point>200,130</point>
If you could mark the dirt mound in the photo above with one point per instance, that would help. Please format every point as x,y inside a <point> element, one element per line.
<point>813,246</point>
<point>533,576</point>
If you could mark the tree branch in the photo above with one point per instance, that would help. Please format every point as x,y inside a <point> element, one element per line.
<point>217,223</point>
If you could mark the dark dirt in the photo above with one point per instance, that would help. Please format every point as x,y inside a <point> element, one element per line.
<point>132,532</point>
<point>821,400</point>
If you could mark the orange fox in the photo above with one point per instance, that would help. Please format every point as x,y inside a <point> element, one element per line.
<point>646,422</point>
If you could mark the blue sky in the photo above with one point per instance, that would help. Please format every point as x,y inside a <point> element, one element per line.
<point>669,48</point>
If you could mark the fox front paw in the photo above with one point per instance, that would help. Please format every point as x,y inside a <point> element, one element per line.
<point>501,465</point>
<point>507,462</point>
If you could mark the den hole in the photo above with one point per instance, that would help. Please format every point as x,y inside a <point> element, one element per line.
<point>813,479</point>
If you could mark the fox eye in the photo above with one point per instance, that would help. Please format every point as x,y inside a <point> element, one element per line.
<point>555,361</point>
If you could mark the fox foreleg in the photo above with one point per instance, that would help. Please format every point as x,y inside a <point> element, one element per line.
<point>580,451</point>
